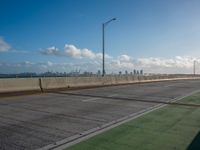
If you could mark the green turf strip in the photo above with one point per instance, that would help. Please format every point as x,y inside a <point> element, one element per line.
<point>169,128</point>
<point>194,99</point>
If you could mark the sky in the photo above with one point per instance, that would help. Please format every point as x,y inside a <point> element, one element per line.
<point>157,36</point>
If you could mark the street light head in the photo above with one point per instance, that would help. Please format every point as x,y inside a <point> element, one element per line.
<point>114,18</point>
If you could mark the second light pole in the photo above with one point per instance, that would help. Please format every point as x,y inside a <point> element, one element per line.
<point>103,43</point>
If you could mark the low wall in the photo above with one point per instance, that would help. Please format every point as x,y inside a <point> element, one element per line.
<point>42,84</point>
<point>17,85</point>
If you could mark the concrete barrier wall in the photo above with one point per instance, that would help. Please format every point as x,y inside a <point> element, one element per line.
<point>15,85</point>
<point>83,81</point>
<point>54,82</point>
<point>68,82</point>
<point>28,84</point>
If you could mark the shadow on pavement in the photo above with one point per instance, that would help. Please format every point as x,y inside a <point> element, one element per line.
<point>195,144</point>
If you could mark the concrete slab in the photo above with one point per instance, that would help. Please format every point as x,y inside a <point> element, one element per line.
<point>34,121</point>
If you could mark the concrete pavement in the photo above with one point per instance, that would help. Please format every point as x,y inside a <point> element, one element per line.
<point>35,121</point>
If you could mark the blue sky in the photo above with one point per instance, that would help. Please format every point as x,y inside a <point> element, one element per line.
<point>157,31</point>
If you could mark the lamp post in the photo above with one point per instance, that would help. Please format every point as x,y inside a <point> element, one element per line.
<point>103,43</point>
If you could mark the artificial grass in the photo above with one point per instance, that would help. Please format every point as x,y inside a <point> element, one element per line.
<point>168,128</point>
<point>194,99</point>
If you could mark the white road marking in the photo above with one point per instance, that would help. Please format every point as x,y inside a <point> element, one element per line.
<point>90,99</point>
<point>168,85</point>
<point>97,98</point>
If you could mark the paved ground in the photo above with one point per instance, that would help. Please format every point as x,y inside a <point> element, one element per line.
<point>32,122</point>
<point>173,127</point>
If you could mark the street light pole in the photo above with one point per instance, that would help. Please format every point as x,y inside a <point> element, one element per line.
<point>103,44</point>
<point>103,48</point>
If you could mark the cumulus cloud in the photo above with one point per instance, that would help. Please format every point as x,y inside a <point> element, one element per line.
<point>4,46</point>
<point>178,61</point>
<point>122,63</point>
<point>74,52</point>
<point>178,64</point>
<point>51,51</point>
<point>99,56</point>
<point>125,58</point>
<point>88,54</point>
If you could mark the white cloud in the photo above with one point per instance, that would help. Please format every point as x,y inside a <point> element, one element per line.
<point>99,56</point>
<point>178,64</point>
<point>122,63</point>
<point>49,63</point>
<point>88,54</point>
<point>72,51</point>
<point>51,51</point>
<point>125,58</point>
<point>3,45</point>
<point>20,51</point>
<point>178,61</point>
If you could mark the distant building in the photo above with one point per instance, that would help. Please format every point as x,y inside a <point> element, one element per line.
<point>141,72</point>
<point>99,73</point>
<point>134,72</point>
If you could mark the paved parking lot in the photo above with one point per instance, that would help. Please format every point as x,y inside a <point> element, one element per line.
<point>35,121</point>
